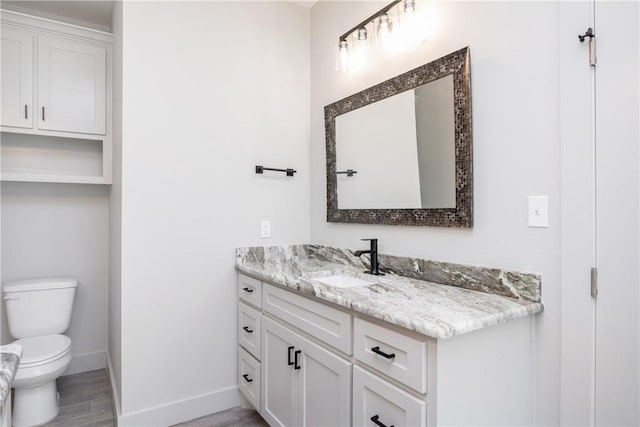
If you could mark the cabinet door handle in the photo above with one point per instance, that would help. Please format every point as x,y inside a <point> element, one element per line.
<point>248,290</point>
<point>247,330</point>
<point>376,421</point>
<point>289,362</point>
<point>246,378</point>
<point>43,114</point>
<point>26,111</point>
<point>377,350</point>
<point>295,363</point>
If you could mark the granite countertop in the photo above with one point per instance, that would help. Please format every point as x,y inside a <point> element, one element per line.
<point>433,309</point>
<point>10,356</point>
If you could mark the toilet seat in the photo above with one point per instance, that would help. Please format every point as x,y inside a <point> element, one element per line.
<point>37,351</point>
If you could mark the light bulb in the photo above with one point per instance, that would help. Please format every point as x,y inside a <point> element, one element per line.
<point>385,26</point>
<point>342,56</point>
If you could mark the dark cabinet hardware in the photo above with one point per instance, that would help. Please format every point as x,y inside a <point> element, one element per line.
<point>348,172</point>
<point>26,111</point>
<point>288,171</point>
<point>374,267</point>
<point>377,350</point>
<point>590,34</point>
<point>43,114</point>
<point>297,353</point>
<point>289,362</point>
<point>248,290</point>
<point>247,330</point>
<point>247,379</point>
<point>376,421</point>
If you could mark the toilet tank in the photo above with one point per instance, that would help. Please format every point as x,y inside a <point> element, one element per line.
<point>39,306</point>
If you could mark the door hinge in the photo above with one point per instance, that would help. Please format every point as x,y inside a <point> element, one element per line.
<point>592,45</point>
<point>594,282</point>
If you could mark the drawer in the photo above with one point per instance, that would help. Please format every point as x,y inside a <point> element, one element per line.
<point>376,402</point>
<point>250,290</point>
<point>399,356</point>
<point>249,377</point>
<point>320,321</point>
<point>249,329</point>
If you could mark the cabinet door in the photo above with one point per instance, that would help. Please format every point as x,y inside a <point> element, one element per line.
<point>17,78</point>
<point>71,86</point>
<point>278,398</point>
<point>324,387</point>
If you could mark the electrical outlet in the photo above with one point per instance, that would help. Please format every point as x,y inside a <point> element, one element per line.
<point>265,229</point>
<point>538,211</point>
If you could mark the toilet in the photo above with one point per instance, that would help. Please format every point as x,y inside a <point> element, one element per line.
<point>38,313</point>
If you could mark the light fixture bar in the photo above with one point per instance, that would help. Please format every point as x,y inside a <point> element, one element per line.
<point>365,22</point>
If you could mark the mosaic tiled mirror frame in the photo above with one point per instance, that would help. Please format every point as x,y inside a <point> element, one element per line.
<point>456,64</point>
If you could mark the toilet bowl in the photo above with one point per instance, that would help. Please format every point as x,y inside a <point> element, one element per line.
<point>44,359</point>
<point>38,312</point>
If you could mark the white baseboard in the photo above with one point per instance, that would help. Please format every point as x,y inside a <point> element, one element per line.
<point>87,362</point>
<point>183,410</point>
<point>115,395</point>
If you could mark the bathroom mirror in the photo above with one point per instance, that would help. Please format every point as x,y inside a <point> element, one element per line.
<point>400,152</point>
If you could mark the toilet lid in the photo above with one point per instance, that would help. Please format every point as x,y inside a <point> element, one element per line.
<point>43,349</point>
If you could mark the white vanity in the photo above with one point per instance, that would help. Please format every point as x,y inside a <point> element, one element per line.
<point>388,354</point>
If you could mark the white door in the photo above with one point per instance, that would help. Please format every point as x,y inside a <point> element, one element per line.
<point>71,86</point>
<point>17,78</point>
<point>617,330</point>
<point>278,354</point>
<point>324,387</point>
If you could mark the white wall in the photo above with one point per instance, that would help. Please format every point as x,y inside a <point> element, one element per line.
<point>514,80</point>
<point>62,230</point>
<point>210,89</point>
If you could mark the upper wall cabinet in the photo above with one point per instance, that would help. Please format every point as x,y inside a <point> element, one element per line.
<point>17,78</point>
<point>55,124</point>
<point>71,86</point>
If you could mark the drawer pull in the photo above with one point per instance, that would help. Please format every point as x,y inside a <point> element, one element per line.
<point>248,290</point>
<point>289,362</point>
<point>376,421</point>
<point>247,330</point>
<point>297,353</point>
<point>246,378</point>
<point>377,350</point>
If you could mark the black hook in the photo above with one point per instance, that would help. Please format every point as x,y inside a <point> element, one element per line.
<point>589,34</point>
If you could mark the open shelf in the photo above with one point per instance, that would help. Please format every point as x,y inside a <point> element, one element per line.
<point>37,158</point>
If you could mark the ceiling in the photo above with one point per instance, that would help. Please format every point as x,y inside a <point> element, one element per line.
<point>94,14</point>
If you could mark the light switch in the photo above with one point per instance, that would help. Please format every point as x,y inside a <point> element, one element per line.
<point>539,211</point>
<point>265,229</point>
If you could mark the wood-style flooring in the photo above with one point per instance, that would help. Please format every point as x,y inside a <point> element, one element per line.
<point>85,401</point>
<point>234,417</point>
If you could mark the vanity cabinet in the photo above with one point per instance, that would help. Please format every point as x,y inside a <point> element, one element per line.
<point>56,101</point>
<point>321,364</point>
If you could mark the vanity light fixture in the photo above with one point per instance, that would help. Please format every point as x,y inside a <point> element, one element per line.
<point>386,26</point>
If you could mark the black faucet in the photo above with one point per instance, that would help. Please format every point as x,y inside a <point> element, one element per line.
<point>373,253</point>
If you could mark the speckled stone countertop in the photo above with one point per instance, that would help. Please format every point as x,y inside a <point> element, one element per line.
<point>10,356</point>
<point>432,309</point>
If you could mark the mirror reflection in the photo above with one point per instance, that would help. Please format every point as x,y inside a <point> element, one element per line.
<point>399,152</point>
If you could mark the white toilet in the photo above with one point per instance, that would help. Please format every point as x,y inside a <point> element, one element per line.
<point>38,312</point>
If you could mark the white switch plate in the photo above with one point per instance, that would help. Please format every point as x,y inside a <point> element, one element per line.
<point>539,211</point>
<point>265,229</point>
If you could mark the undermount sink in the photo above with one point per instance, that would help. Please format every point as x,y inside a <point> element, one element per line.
<point>342,281</point>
